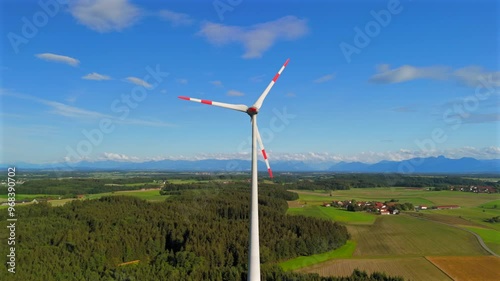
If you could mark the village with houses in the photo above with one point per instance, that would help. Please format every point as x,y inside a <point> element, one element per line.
<point>472,188</point>
<point>392,207</point>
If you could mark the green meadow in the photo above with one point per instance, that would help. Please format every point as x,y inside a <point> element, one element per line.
<point>343,252</point>
<point>329,213</point>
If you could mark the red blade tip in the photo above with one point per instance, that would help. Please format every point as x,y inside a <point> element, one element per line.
<point>183,98</point>
<point>286,62</point>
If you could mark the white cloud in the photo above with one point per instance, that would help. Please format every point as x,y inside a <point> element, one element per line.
<point>492,152</point>
<point>105,15</point>
<point>471,76</point>
<point>176,19</point>
<point>181,80</point>
<point>96,76</point>
<point>234,93</point>
<point>325,78</point>
<point>118,157</point>
<point>139,81</point>
<point>217,83</point>
<point>58,58</point>
<point>84,115</point>
<point>290,95</point>
<point>258,78</point>
<point>256,39</point>
<point>404,73</point>
<point>476,75</point>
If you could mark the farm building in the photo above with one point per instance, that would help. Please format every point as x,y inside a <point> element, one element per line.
<point>443,207</point>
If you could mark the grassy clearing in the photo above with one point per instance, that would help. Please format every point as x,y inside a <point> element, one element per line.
<point>3,197</point>
<point>345,251</point>
<point>411,268</point>
<point>403,235</point>
<point>330,213</point>
<point>469,268</point>
<point>150,194</point>
<point>491,205</point>
<point>474,215</point>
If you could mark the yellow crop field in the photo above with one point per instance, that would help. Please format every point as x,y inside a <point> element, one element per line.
<point>486,268</point>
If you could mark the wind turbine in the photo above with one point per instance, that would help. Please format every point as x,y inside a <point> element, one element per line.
<point>252,111</point>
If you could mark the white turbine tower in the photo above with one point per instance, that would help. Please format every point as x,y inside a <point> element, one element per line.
<point>254,255</point>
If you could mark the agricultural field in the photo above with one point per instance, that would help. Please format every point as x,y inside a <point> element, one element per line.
<point>411,268</point>
<point>399,244</point>
<point>412,195</point>
<point>403,235</point>
<point>339,215</point>
<point>469,268</point>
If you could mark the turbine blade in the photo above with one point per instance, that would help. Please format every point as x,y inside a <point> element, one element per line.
<point>264,154</point>
<point>238,107</point>
<point>260,100</point>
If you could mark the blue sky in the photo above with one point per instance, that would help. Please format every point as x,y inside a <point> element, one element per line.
<point>367,80</point>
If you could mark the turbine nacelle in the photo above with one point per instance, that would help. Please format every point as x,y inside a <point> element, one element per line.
<point>252,111</point>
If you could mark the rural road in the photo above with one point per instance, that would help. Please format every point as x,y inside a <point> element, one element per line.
<point>479,239</point>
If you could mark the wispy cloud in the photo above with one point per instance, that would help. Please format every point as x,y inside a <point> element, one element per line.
<point>58,58</point>
<point>181,80</point>
<point>475,75</point>
<point>325,78</point>
<point>139,81</point>
<point>105,15</point>
<point>84,115</point>
<point>290,95</point>
<point>96,76</point>
<point>118,157</point>
<point>469,118</point>
<point>234,93</point>
<point>256,39</point>
<point>176,19</point>
<point>405,73</point>
<point>217,83</point>
<point>492,152</point>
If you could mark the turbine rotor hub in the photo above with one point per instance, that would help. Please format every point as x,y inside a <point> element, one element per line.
<point>252,111</point>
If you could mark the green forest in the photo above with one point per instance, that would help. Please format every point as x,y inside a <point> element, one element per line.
<point>196,235</point>
<point>72,184</point>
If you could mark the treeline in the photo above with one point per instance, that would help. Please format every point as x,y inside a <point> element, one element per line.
<point>265,189</point>
<point>72,187</point>
<point>347,181</point>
